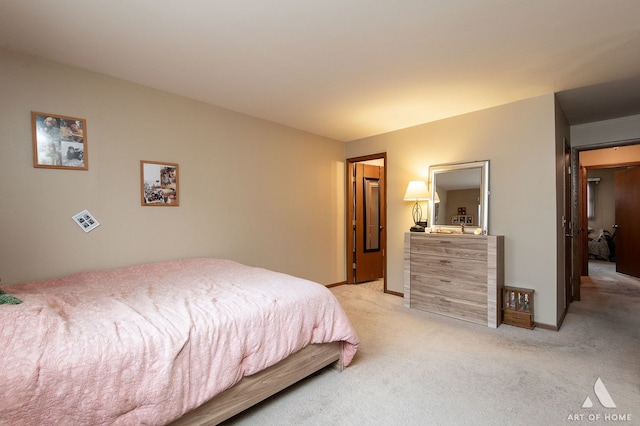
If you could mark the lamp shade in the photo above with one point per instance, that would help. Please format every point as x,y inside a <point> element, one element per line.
<point>416,191</point>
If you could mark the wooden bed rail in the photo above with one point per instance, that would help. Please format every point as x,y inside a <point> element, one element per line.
<point>253,389</point>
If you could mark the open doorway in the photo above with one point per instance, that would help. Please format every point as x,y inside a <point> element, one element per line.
<point>597,192</point>
<point>366,221</point>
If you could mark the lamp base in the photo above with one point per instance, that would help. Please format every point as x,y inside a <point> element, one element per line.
<point>417,228</point>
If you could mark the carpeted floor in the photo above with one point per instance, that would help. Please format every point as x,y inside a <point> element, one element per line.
<point>416,368</point>
<point>377,285</point>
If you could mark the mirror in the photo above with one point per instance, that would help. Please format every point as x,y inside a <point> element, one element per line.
<point>461,195</point>
<point>372,214</point>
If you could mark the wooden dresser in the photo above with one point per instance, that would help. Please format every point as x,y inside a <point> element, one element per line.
<point>457,275</point>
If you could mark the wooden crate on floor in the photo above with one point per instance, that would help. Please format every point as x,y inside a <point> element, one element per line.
<point>517,307</point>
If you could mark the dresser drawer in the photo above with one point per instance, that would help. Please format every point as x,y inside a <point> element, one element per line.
<point>454,269</point>
<point>439,286</point>
<point>460,309</point>
<point>460,247</point>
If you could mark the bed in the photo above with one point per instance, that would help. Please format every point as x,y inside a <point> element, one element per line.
<point>191,341</point>
<point>599,244</point>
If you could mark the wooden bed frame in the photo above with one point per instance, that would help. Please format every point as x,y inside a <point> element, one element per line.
<point>253,389</point>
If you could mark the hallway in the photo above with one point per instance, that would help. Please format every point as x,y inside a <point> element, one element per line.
<point>603,281</point>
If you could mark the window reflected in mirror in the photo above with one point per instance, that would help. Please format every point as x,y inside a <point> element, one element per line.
<point>591,197</point>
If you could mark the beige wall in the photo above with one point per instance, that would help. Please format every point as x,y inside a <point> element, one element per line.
<point>292,217</point>
<point>252,191</point>
<point>519,140</point>
<point>467,198</point>
<point>615,130</point>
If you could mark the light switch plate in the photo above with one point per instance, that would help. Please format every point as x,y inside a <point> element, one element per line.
<point>86,221</point>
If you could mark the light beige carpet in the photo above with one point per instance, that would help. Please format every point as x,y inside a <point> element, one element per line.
<point>377,285</point>
<point>416,368</point>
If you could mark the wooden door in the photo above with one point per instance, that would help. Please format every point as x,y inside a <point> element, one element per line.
<point>567,227</point>
<point>627,235</point>
<point>368,223</point>
<point>584,226</point>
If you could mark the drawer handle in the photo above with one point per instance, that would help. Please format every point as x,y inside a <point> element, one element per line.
<point>445,281</point>
<point>446,262</point>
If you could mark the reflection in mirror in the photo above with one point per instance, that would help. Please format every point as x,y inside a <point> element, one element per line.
<point>372,214</point>
<point>461,195</point>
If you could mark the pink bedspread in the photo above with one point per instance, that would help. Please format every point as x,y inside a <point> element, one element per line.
<point>145,344</point>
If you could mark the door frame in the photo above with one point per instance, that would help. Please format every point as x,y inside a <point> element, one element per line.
<point>578,213</point>
<point>350,164</point>
<point>567,227</point>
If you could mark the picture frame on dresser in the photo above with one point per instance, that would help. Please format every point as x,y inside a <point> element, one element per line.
<point>59,141</point>
<point>462,219</point>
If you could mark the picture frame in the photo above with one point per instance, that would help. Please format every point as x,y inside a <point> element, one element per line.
<point>86,221</point>
<point>159,184</point>
<point>59,141</point>
<point>462,219</point>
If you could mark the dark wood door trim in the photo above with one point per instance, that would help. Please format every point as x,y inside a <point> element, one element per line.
<point>567,228</point>
<point>576,255</point>
<point>350,167</point>
<point>579,220</point>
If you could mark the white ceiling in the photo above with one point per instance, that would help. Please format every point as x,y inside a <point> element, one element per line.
<point>348,69</point>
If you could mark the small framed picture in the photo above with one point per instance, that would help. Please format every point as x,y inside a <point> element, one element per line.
<point>159,183</point>
<point>86,221</point>
<point>462,219</point>
<point>59,142</point>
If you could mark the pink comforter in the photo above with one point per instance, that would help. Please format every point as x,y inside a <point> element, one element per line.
<point>145,344</point>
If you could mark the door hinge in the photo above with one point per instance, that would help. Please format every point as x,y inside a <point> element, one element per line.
<point>354,265</point>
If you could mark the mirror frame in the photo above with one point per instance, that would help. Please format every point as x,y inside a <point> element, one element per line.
<point>437,169</point>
